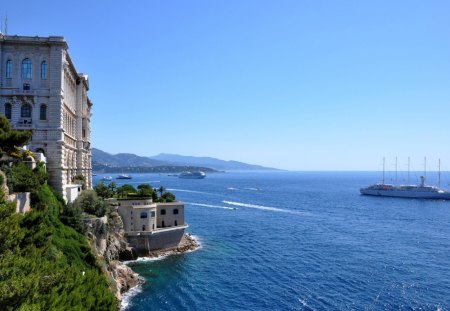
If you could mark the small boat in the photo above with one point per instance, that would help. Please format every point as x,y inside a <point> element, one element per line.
<point>123,176</point>
<point>420,191</point>
<point>107,178</point>
<point>192,175</point>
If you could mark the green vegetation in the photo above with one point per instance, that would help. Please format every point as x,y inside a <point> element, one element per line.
<point>20,178</point>
<point>10,139</point>
<point>80,179</point>
<point>127,191</point>
<point>45,264</point>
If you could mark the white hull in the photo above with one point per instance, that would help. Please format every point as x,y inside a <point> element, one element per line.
<point>191,177</point>
<point>416,194</point>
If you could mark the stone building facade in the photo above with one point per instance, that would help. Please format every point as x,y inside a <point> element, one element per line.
<point>152,226</point>
<point>41,91</point>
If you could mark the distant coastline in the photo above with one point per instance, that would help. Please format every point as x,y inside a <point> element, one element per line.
<point>164,162</point>
<point>166,169</point>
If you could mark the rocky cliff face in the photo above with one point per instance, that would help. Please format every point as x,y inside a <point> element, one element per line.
<point>109,245</point>
<point>4,191</point>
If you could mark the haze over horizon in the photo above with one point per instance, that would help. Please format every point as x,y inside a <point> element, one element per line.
<point>298,85</point>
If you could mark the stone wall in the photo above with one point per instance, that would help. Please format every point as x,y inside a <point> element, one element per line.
<point>143,244</point>
<point>22,200</point>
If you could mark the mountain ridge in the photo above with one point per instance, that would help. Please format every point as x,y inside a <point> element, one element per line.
<point>100,157</point>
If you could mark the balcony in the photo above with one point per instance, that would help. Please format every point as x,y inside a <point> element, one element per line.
<point>24,123</point>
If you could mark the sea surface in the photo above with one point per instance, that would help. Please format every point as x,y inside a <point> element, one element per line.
<point>299,241</point>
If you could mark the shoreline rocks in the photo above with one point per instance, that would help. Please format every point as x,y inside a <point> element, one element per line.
<point>187,244</point>
<point>108,243</point>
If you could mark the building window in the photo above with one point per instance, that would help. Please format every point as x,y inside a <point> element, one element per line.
<point>163,212</point>
<point>175,211</point>
<point>176,223</point>
<point>8,110</point>
<point>163,224</point>
<point>26,68</point>
<point>43,112</point>
<point>26,86</point>
<point>152,214</point>
<point>9,69</point>
<point>25,111</point>
<point>44,70</point>
<point>144,215</point>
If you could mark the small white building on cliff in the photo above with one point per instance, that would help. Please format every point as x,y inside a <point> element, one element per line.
<point>151,226</point>
<point>41,91</point>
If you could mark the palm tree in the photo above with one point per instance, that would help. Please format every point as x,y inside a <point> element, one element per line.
<point>161,190</point>
<point>120,192</point>
<point>112,186</point>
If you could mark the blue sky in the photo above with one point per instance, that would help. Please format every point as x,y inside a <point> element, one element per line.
<point>301,85</point>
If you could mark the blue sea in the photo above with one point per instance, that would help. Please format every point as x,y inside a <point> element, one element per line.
<point>299,241</point>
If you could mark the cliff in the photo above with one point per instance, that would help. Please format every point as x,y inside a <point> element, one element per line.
<point>106,236</point>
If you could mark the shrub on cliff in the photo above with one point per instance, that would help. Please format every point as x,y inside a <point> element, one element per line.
<point>45,265</point>
<point>102,190</point>
<point>72,216</point>
<point>89,202</point>
<point>11,139</point>
<point>22,178</point>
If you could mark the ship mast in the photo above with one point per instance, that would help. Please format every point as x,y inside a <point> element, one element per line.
<point>439,174</point>
<point>384,164</point>
<point>425,166</point>
<point>396,170</point>
<point>409,167</point>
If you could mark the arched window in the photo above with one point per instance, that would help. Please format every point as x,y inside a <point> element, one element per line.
<point>44,70</point>
<point>9,68</point>
<point>26,68</point>
<point>43,112</point>
<point>25,111</point>
<point>8,110</point>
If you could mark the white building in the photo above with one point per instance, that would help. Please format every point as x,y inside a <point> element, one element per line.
<point>151,226</point>
<point>41,91</point>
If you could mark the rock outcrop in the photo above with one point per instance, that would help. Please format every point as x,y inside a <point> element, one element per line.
<point>109,245</point>
<point>107,237</point>
<point>187,244</point>
<point>4,191</point>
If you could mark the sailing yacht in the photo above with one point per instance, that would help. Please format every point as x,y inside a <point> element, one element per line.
<point>421,191</point>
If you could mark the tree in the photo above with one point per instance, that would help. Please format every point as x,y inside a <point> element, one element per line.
<point>11,140</point>
<point>154,196</point>
<point>72,216</point>
<point>120,192</point>
<point>167,197</point>
<point>89,202</point>
<point>21,178</point>
<point>161,190</point>
<point>145,190</point>
<point>80,179</point>
<point>127,188</point>
<point>112,187</point>
<point>102,190</point>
